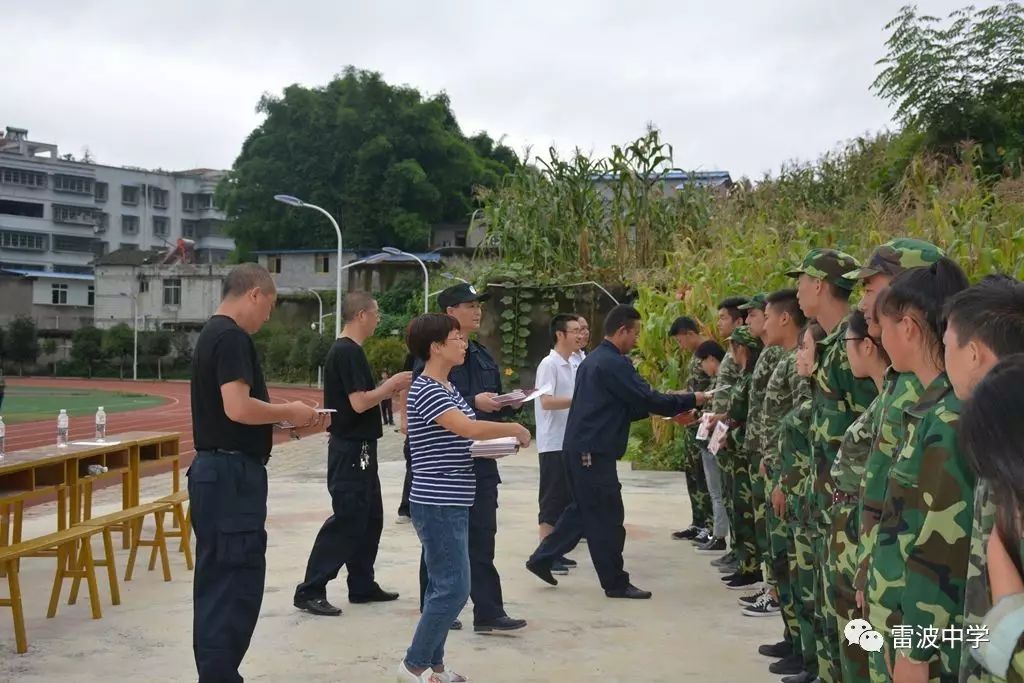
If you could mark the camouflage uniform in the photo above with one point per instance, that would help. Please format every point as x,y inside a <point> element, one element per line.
<point>977,596</point>
<point>847,474</point>
<point>781,396</point>
<point>742,492</point>
<point>693,467</point>
<point>728,375</point>
<point>839,398</point>
<point>919,560</point>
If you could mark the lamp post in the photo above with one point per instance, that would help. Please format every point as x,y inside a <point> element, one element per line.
<point>452,276</point>
<point>426,275</point>
<point>295,201</point>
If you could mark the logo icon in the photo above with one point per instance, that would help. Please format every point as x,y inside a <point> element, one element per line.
<point>872,641</point>
<point>860,632</point>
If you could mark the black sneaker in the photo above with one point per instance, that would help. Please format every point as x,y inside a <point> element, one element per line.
<point>317,606</point>
<point>787,666</point>
<point>505,623</point>
<point>702,537</point>
<point>741,582</point>
<point>767,606</point>
<point>802,677</point>
<point>571,564</point>
<point>778,650</point>
<point>748,600</point>
<point>715,545</point>
<point>728,558</point>
<point>687,534</point>
<point>559,568</point>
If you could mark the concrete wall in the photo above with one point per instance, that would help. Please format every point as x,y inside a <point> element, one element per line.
<point>16,295</point>
<point>298,271</point>
<point>200,292</point>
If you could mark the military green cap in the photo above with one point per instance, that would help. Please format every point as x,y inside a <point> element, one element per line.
<point>829,265</point>
<point>757,301</point>
<point>744,337</point>
<point>892,258</point>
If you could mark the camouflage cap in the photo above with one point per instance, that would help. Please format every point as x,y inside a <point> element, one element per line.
<point>744,337</point>
<point>896,256</point>
<point>757,301</point>
<point>829,265</point>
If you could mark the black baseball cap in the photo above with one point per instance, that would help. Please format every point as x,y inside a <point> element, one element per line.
<point>462,293</point>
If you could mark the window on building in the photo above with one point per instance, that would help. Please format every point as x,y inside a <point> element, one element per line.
<point>322,264</point>
<point>188,202</point>
<point>11,207</point>
<point>16,176</point>
<point>129,246</point>
<point>161,226</point>
<point>27,241</point>
<point>72,183</point>
<point>205,201</point>
<point>460,238</point>
<point>129,224</point>
<point>130,195</point>
<point>172,292</point>
<point>143,286</point>
<point>101,192</point>
<point>274,264</point>
<point>74,243</point>
<point>189,228</point>
<point>158,197</point>
<point>58,294</point>
<point>91,296</point>
<point>78,215</point>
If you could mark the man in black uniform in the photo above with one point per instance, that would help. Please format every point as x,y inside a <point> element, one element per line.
<point>609,395</point>
<point>479,381</point>
<point>232,426</point>
<point>351,535</point>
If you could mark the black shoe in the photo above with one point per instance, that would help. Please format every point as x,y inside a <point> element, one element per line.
<point>728,558</point>
<point>630,592</point>
<point>742,582</point>
<point>686,534</point>
<point>318,606</point>
<point>376,595</point>
<point>456,626</point>
<point>702,537</point>
<point>787,666</point>
<point>729,577</point>
<point>505,623</point>
<point>802,677</point>
<point>559,568</point>
<point>778,650</point>
<point>714,545</point>
<point>544,573</point>
<point>571,564</point>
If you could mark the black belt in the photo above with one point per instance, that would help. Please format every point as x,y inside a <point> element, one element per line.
<point>844,497</point>
<point>261,459</point>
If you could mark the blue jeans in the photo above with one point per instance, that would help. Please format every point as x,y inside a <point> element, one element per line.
<point>444,534</point>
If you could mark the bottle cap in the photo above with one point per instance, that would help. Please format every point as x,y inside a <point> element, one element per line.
<point>101,407</point>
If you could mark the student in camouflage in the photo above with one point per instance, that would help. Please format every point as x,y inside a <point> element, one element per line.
<point>687,334</point>
<point>918,563</point>
<point>900,389</point>
<point>754,437</point>
<point>984,324</point>
<point>745,349</point>
<point>868,361</point>
<point>839,398</point>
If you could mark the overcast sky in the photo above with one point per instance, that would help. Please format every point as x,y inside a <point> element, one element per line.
<point>740,86</point>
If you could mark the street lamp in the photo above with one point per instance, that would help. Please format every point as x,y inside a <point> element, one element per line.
<point>426,276</point>
<point>295,201</point>
<point>452,276</point>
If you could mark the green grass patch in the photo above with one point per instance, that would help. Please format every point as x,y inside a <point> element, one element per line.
<point>28,404</point>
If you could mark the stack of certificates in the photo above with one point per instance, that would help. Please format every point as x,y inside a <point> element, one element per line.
<point>495,448</point>
<point>516,396</point>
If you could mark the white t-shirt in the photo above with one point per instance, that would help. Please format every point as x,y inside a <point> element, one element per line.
<point>560,375</point>
<point>575,358</point>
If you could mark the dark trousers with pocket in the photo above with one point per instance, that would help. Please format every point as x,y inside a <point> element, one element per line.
<point>596,511</point>
<point>350,537</point>
<point>485,590</point>
<point>403,506</point>
<point>228,498</point>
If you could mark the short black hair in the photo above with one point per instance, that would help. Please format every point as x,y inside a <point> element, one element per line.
<point>732,306</point>
<point>992,312</point>
<point>246,277</point>
<point>559,324</point>
<point>710,348</point>
<point>683,323</point>
<point>428,329</point>
<point>785,300</point>
<point>620,316</point>
<point>355,303</point>
<point>838,292</point>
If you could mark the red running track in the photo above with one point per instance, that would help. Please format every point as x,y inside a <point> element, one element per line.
<point>173,416</point>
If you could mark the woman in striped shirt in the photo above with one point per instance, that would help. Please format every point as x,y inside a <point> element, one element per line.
<point>441,430</point>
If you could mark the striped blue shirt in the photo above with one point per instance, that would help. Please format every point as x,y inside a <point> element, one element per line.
<point>442,469</point>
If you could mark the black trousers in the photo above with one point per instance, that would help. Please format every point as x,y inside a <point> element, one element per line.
<point>228,498</point>
<point>350,537</point>
<point>386,413</point>
<point>596,511</point>
<point>485,589</point>
<point>403,506</point>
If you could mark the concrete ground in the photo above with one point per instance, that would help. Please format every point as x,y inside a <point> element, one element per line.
<point>691,630</point>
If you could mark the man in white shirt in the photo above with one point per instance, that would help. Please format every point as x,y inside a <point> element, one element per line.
<point>557,373</point>
<point>577,356</point>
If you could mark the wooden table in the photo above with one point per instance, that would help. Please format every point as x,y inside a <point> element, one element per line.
<point>64,471</point>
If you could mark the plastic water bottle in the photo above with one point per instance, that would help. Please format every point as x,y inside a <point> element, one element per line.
<point>3,439</point>
<point>62,429</point>
<point>101,425</point>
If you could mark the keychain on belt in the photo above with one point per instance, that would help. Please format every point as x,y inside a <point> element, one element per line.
<point>364,456</point>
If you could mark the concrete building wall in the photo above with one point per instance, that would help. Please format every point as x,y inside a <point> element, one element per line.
<point>180,295</point>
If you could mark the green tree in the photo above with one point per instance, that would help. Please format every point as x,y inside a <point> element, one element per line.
<point>22,342</point>
<point>87,347</point>
<point>119,342</point>
<point>154,346</point>
<point>182,348</point>
<point>3,345</point>
<point>385,160</point>
<point>385,353</point>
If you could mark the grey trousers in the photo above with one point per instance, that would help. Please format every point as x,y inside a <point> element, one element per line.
<point>713,475</point>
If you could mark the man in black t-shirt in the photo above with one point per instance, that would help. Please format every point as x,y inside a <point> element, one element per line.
<point>351,535</point>
<point>232,426</point>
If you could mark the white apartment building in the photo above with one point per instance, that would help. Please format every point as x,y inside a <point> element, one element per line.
<point>57,215</point>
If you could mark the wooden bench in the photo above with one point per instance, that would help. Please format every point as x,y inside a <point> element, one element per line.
<point>66,543</point>
<point>181,529</point>
<point>134,517</point>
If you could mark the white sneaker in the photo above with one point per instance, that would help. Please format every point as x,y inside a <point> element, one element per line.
<point>752,599</point>
<point>428,676</point>
<point>766,606</point>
